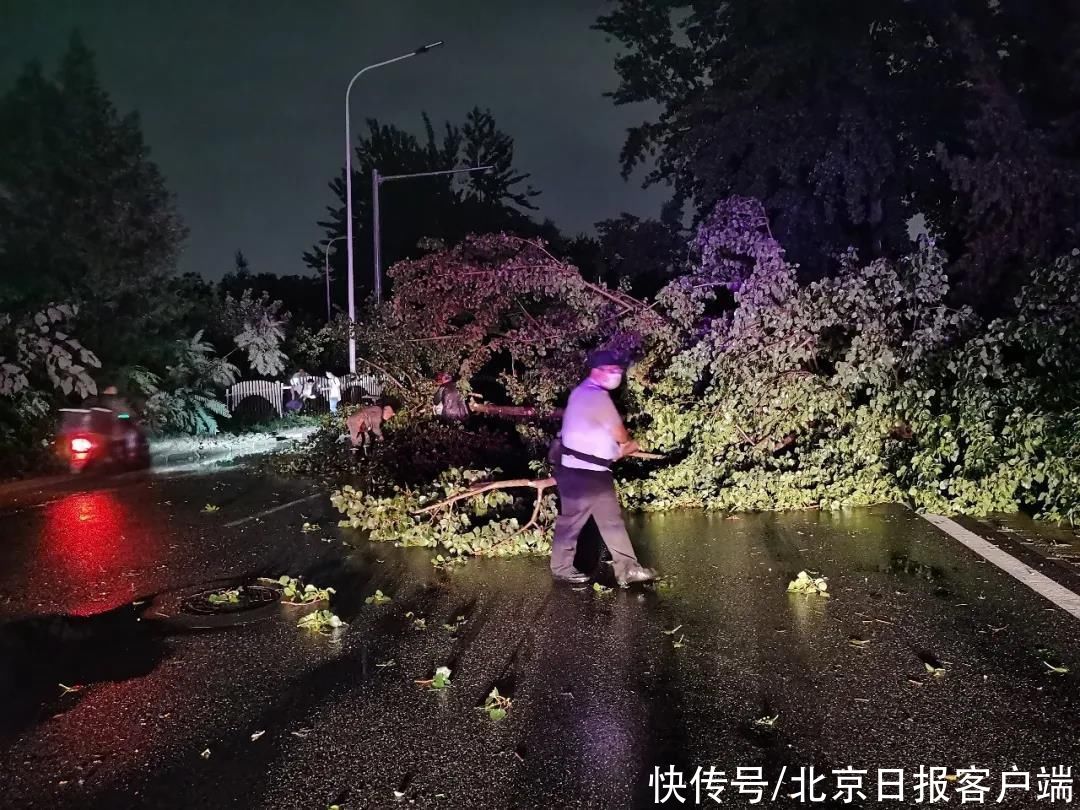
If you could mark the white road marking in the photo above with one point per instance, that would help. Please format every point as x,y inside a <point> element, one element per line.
<point>271,511</point>
<point>1040,583</point>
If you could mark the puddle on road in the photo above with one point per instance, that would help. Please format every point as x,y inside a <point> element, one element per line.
<point>906,566</point>
<point>48,662</point>
<point>901,564</point>
<point>1060,543</point>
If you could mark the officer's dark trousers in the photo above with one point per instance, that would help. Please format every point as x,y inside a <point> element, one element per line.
<point>585,494</point>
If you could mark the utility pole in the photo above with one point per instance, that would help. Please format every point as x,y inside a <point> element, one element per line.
<point>326,253</point>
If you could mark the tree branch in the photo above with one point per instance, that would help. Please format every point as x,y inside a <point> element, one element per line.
<point>540,327</point>
<point>539,484</point>
<point>384,371</point>
<point>435,338</point>
<point>618,297</point>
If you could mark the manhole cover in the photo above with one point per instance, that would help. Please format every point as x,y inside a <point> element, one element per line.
<point>219,601</point>
<point>216,604</point>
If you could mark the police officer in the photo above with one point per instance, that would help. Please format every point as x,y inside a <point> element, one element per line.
<point>593,438</point>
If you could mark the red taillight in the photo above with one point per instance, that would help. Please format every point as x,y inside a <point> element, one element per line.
<point>81,445</point>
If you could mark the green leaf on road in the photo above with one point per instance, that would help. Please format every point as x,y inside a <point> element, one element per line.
<point>806,584</point>
<point>225,597</point>
<point>321,621</point>
<point>496,705</point>
<point>440,681</point>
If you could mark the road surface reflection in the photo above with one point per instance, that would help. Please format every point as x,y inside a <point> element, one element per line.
<point>89,547</point>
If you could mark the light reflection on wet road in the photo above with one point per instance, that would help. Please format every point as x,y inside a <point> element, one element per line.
<point>601,694</point>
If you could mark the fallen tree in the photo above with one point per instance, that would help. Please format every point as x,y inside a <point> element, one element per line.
<point>866,387</point>
<point>466,512</point>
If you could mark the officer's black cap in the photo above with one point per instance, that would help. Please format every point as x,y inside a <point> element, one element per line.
<point>605,357</point>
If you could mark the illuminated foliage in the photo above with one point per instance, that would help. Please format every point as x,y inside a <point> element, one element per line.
<point>446,514</point>
<point>863,388</point>
<point>502,300</point>
<point>257,325</point>
<point>40,360</point>
<point>185,398</point>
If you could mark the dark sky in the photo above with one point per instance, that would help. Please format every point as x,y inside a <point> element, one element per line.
<point>242,101</point>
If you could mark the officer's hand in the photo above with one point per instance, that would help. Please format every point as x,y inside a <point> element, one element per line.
<point>628,448</point>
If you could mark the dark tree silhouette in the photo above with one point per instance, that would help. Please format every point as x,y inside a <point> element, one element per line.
<point>846,118</point>
<point>84,213</point>
<point>438,208</point>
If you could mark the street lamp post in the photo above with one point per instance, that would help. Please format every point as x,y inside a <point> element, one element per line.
<point>326,253</point>
<point>376,233</point>
<point>348,190</point>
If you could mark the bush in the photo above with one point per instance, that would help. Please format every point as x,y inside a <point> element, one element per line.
<point>185,400</point>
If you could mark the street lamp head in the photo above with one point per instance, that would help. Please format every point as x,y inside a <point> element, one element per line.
<point>428,47</point>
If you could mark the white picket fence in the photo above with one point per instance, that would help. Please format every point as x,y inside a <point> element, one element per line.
<point>354,388</point>
<point>270,390</point>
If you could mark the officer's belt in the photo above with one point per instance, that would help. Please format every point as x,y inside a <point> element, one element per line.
<point>606,463</point>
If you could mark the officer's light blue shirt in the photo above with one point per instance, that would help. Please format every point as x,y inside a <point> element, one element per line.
<point>589,425</point>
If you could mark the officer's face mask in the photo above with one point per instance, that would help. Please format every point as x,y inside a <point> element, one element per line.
<point>609,379</point>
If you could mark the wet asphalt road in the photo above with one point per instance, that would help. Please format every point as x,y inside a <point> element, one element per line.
<point>601,694</point>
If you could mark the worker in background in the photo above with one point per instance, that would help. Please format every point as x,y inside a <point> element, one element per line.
<point>333,391</point>
<point>365,423</point>
<point>593,438</point>
<point>448,403</point>
<point>296,388</point>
